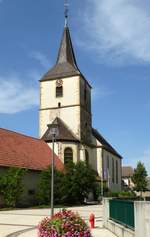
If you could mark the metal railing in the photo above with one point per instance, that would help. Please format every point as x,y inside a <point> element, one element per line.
<point>122,212</point>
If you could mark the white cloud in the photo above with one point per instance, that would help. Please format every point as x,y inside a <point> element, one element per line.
<point>119,30</point>
<point>15,96</point>
<point>41,59</point>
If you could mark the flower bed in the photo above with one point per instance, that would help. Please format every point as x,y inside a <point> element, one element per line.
<point>64,224</point>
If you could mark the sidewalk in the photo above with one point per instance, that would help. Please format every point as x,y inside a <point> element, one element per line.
<point>98,232</point>
<point>22,223</point>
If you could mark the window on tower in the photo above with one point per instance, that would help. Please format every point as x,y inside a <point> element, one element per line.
<point>59,91</point>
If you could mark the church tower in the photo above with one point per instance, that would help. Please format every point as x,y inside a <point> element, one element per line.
<point>66,94</point>
<point>65,99</point>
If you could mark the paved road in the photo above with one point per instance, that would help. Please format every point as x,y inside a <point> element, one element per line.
<point>22,223</point>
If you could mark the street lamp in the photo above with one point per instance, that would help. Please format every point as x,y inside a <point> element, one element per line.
<point>53,133</point>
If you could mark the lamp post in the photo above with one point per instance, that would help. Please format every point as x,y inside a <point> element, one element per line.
<point>53,133</point>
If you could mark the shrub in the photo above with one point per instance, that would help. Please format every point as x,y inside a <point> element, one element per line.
<point>70,187</point>
<point>44,187</point>
<point>11,186</point>
<point>63,224</point>
<point>126,194</point>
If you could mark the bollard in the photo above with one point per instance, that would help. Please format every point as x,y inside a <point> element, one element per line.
<point>92,221</point>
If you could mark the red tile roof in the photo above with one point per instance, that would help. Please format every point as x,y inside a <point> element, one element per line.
<point>18,150</point>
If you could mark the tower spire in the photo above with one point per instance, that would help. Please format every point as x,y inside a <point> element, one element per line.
<point>66,6</point>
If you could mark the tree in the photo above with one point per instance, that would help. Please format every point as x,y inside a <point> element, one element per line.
<point>139,178</point>
<point>44,186</point>
<point>70,187</point>
<point>79,180</point>
<point>11,186</point>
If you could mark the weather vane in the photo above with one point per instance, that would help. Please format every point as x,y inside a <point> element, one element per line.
<point>66,5</point>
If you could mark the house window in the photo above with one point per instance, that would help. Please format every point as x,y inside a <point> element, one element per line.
<point>86,157</point>
<point>59,91</point>
<point>117,171</point>
<point>59,104</point>
<point>68,155</point>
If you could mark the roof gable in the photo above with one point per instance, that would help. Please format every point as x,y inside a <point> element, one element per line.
<point>127,171</point>
<point>65,134</point>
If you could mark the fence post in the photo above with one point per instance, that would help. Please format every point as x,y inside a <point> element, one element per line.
<point>106,211</point>
<point>142,219</point>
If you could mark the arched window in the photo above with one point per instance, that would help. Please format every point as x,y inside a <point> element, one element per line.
<point>59,91</point>
<point>86,157</point>
<point>68,155</point>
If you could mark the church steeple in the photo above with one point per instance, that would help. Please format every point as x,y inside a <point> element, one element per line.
<point>66,64</point>
<point>66,52</point>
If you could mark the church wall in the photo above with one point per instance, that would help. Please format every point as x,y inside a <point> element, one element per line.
<point>70,92</point>
<point>59,149</point>
<point>70,116</point>
<point>69,111</point>
<point>85,100</point>
<point>94,157</point>
<point>108,170</point>
<point>56,147</point>
<point>85,112</point>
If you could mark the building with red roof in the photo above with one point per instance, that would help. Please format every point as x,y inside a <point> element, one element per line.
<point>18,150</point>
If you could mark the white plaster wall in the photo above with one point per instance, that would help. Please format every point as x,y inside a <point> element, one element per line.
<point>70,92</point>
<point>142,219</point>
<point>49,109</point>
<point>56,147</point>
<point>99,161</point>
<point>70,116</point>
<point>95,141</point>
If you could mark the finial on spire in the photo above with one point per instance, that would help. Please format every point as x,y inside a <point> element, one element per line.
<point>66,5</point>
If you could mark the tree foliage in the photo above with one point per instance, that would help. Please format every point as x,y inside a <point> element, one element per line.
<point>79,180</point>
<point>11,186</point>
<point>70,187</point>
<point>44,186</point>
<point>139,177</point>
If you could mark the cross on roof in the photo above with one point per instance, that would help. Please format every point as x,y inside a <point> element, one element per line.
<point>66,5</point>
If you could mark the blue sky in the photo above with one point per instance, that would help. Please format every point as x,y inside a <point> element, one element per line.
<point>112,45</point>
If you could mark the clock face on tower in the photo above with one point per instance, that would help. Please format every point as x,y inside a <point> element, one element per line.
<point>59,82</point>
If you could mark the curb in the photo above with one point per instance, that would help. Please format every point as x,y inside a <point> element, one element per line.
<point>18,233</point>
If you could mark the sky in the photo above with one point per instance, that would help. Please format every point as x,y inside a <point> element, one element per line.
<point>112,46</point>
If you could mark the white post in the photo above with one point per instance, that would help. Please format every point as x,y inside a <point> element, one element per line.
<point>106,211</point>
<point>142,218</point>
